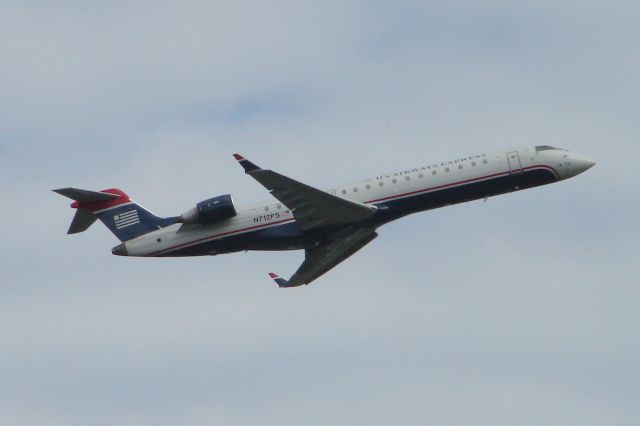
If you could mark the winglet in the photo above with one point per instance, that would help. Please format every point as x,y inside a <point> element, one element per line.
<point>247,165</point>
<point>280,281</point>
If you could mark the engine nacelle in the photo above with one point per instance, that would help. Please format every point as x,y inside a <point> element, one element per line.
<point>210,211</point>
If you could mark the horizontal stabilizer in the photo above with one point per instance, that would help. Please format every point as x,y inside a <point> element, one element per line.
<point>82,220</point>
<point>85,196</point>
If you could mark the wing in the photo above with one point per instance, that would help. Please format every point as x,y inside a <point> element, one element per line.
<point>327,254</point>
<point>311,207</point>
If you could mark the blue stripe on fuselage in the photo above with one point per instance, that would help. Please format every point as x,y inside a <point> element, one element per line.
<point>289,237</point>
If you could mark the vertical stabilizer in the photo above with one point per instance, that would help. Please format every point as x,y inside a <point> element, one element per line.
<point>124,217</point>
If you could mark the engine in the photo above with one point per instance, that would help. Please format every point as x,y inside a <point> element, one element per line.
<point>210,211</point>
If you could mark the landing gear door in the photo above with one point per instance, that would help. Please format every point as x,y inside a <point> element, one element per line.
<point>514,162</point>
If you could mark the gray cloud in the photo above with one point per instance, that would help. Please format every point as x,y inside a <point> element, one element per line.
<point>518,310</point>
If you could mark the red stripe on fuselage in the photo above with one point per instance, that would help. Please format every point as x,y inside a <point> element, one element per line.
<point>435,188</point>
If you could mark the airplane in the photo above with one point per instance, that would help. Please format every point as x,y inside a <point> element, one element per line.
<point>329,225</point>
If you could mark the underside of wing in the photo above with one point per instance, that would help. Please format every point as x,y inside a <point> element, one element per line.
<point>327,254</point>
<point>311,207</point>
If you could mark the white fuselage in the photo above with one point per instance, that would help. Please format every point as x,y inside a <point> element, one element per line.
<point>384,191</point>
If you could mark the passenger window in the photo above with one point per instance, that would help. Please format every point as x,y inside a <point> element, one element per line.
<point>368,186</point>
<point>446,169</point>
<point>434,172</point>
<point>484,161</point>
<point>394,181</point>
<point>266,208</point>
<point>279,206</point>
<point>460,166</point>
<point>381,183</point>
<point>355,189</point>
<point>421,175</point>
<point>344,192</point>
<point>407,177</point>
<point>473,163</point>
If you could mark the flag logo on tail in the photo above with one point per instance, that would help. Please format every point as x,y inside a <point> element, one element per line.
<point>127,218</point>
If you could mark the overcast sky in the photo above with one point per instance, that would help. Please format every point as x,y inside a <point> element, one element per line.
<point>522,310</point>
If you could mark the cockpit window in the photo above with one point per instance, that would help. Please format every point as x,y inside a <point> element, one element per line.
<point>544,148</point>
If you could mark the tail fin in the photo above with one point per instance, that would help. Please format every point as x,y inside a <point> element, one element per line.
<point>115,209</point>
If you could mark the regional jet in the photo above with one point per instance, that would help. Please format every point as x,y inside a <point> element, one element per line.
<point>329,225</point>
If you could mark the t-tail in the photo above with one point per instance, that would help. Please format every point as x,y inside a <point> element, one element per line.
<point>115,209</point>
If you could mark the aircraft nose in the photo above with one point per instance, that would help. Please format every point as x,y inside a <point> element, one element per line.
<point>583,164</point>
<point>119,250</point>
